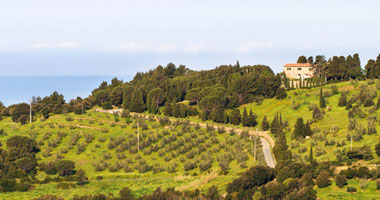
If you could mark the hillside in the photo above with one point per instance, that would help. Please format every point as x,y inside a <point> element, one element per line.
<point>171,155</point>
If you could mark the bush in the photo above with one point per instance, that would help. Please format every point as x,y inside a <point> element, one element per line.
<point>351,189</point>
<point>69,119</point>
<point>340,180</point>
<point>65,167</point>
<point>107,105</point>
<point>323,179</point>
<point>280,93</point>
<point>126,194</point>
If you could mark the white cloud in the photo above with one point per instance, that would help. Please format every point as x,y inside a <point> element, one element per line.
<point>252,45</point>
<point>55,45</point>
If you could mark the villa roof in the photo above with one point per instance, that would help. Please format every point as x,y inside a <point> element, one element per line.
<point>298,65</point>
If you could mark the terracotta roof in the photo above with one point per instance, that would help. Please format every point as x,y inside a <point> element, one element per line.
<point>298,65</point>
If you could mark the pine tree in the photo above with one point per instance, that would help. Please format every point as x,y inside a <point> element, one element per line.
<point>274,128</point>
<point>235,117</point>
<point>252,119</point>
<point>322,101</point>
<point>244,119</point>
<point>265,124</point>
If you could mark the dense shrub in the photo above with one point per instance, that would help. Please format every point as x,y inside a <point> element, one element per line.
<point>323,179</point>
<point>340,180</point>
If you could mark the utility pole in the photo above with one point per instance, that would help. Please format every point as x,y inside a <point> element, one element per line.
<point>351,140</point>
<point>138,135</point>
<point>82,108</point>
<point>30,111</point>
<point>254,153</point>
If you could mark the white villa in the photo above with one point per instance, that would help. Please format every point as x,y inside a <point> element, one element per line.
<point>298,70</point>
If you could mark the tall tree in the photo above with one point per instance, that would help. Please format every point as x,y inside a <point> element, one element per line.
<point>302,59</point>
<point>265,124</point>
<point>322,101</point>
<point>299,128</point>
<point>311,157</point>
<point>244,119</point>
<point>310,60</point>
<point>235,117</point>
<point>252,119</point>
<point>370,69</point>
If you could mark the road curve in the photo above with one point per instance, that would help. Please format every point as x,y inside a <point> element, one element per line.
<point>266,139</point>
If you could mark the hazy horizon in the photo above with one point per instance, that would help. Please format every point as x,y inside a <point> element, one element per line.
<point>123,37</point>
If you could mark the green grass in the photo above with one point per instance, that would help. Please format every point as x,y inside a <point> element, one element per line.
<point>335,193</point>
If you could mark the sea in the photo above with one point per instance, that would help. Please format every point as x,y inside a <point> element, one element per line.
<point>19,89</point>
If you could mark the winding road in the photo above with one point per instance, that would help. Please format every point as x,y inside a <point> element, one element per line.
<point>266,140</point>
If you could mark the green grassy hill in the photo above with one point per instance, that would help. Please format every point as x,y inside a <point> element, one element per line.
<point>171,155</point>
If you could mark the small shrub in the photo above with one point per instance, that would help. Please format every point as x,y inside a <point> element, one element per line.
<point>69,118</point>
<point>351,189</point>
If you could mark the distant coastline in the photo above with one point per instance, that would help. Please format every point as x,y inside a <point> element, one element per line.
<point>18,89</point>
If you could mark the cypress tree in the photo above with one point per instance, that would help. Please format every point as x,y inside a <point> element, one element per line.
<point>218,115</point>
<point>244,119</point>
<point>322,101</point>
<point>308,131</point>
<point>252,119</point>
<point>311,157</point>
<point>299,128</point>
<point>225,117</point>
<point>235,117</point>
<point>265,124</point>
<point>280,149</point>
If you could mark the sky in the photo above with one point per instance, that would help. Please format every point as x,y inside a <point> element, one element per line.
<point>122,37</point>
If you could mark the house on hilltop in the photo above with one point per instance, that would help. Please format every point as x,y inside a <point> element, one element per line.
<point>299,70</point>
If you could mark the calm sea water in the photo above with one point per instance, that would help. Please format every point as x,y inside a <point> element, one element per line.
<point>17,89</point>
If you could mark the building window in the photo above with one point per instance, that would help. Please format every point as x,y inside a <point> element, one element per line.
<point>288,68</point>
<point>299,68</point>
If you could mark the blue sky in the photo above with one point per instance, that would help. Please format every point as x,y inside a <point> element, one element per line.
<point>121,37</point>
